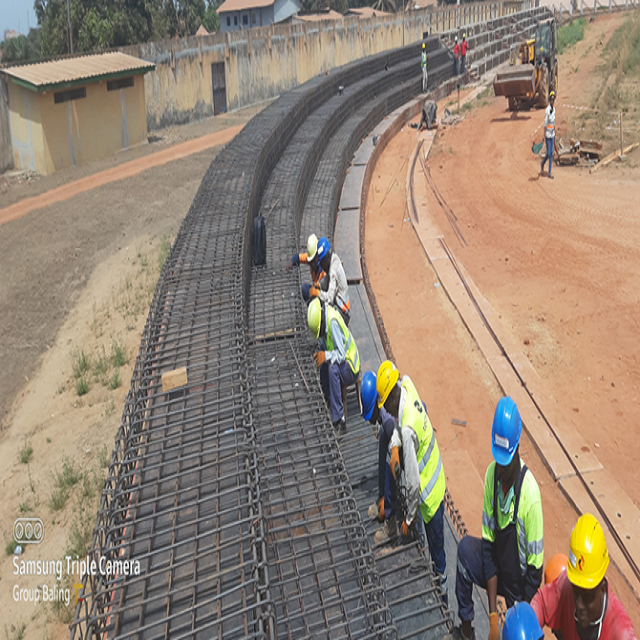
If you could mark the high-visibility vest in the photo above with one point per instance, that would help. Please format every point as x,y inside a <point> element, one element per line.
<point>423,59</point>
<point>432,480</point>
<point>350,344</point>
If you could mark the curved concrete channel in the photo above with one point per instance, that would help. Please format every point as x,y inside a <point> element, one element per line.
<point>247,517</point>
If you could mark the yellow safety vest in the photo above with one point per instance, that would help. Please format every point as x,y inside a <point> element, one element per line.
<point>432,480</point>
<point>350,347</point>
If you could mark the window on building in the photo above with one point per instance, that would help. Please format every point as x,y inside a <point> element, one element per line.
<point>69,94</point>
<point>245,19</point>
<point>235,21</point>
<point>253,18</point>
<point>120,83</point>
<point>228,21</point>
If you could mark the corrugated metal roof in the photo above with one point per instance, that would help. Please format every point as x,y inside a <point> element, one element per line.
<point>367,12</point>
<point>73,71</point>
<point>320,16</point>
<point>243,5</point>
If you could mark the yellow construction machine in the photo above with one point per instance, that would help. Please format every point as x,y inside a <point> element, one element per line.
<point>535,71</point>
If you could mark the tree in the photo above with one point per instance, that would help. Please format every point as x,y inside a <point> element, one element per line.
<point>211,20</point>
<point>22,48</point>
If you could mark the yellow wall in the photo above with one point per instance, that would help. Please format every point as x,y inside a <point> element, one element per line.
<point>69,133</point>
<point>26,129</point>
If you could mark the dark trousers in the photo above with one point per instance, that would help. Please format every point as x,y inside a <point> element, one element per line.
<point>332,378</point>
<point>305,291</point>
<point>435,537</point>
<point>462,66</point>
<point>386,483</point>
<point>455,67</point>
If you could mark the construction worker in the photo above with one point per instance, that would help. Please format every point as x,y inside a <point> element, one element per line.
<point>423,64</point>
<point>337,293</point>
<point>549,132</point>
<point>521,623</point>
<point>338,358</point>
<point>579,604</point>
<point>464,47</point>
<point>507,561</point>
<point>423,470</point>
<point>310,258</point>
<point>456,56</point>
<point>556,565</point>
<point>384,509</point>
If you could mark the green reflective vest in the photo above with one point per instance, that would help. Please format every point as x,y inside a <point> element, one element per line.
<point>350,344</point>
<point>432,480</point>
<point>423,60</point>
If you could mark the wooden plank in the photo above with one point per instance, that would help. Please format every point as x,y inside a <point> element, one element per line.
<point>612,156</point>
<point>174,379</point>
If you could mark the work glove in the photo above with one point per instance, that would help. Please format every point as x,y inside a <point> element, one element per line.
<point>320,358</point>
<point>395,464</point>
<point>494,630</point>
<point>381,509</point>
<point>313,292</point>
<point>405,533</point>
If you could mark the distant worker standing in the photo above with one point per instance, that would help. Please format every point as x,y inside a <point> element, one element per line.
<point>549,132</point>
<point>579,604</point>
<point>456,56</point>
<point>310,258</point>
<point>423,471</point>
<point>337,293</point>
<point>423,64</point>
<point>463,53</point>
<point>337,358</point>
<point>507,561</point>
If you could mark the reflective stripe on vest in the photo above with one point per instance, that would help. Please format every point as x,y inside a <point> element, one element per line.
<point>429,461</point>
<point>350,348</point>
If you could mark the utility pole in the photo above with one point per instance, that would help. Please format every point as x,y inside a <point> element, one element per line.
<point>69,27</point>
<point>403,23</point>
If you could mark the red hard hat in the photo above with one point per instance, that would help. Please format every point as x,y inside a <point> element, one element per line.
<point>556,565</point>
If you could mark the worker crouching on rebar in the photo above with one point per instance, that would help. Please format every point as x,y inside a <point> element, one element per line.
<point>337,290</point>
<point>318,276</point>
<point>337,358</point>
<point>423,471</point>
<point>384,509</point>
<point>507,560</point>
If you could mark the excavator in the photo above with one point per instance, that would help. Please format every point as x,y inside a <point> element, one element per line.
<point>535,72</point>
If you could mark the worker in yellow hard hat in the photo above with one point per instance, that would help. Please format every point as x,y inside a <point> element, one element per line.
<point>337,357</point>
<point>423,471</point>
<point>464,47</point>
<point>579,603</point>
<point>311,258</point>
<point>423,65</point>
<point>549,132</point>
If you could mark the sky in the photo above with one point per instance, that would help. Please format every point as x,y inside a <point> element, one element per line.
<point>18,15</point>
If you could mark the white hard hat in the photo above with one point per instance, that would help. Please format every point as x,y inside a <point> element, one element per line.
<point>312,246</point>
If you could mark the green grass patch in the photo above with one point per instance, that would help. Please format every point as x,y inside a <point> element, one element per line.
<point>26,451</point>
<point>10,547</point>
<point>570,34</point>
<point>81,363</point>
<point>119,355</point>
<point>82,386</point>
<point>63,481</point>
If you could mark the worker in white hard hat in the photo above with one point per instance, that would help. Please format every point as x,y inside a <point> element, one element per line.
<point>423,65</point>
<point>549,131</point>
<point>456,56</point>
<point>337,357</point>
<point>310,258</point>
<point>579,604</point>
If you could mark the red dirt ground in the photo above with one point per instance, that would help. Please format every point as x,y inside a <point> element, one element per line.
<point>557,259</point>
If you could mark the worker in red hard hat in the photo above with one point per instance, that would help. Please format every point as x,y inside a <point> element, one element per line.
<point>579,604</point>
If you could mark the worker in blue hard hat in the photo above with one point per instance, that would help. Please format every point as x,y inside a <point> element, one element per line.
<point>310,258</point>
<point>384,509</point>
<point>507,561</point>
<point>337,293</point>
<point>337,358</point>
<point>521,623</point>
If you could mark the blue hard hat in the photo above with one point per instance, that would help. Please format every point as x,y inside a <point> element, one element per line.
<point>506,431</point>
<point>368,394</point>
<point>521,623</point>
<point>323,248</point>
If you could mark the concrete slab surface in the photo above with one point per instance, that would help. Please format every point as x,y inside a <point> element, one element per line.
<point>346,241</point>
<point>352,188</point>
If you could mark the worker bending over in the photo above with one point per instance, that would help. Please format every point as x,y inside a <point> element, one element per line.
<point>310,258</point>
<point>337,293</point>
<point>423,470</point>
<point>384,509</point>
<point>507,561</point>
<point>338,358</point>
<point>579,605</point>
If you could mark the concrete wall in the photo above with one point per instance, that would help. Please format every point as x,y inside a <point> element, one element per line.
<point>6,151</point>
<point>261,63</point>
<point>48,137</point>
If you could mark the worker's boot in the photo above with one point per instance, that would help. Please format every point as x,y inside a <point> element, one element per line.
<point>376,510</point>
<point>341,427</point>
<point>542,166</point>
<point>388,532</point>
<point>458,635</point>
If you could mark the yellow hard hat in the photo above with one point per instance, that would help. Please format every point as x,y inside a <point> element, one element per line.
<point>314,317</point>
<point>552,94</point>
<point>385,381</point>
<point>312,246</point>
<point>423,45</point>
<point>588,556</point>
